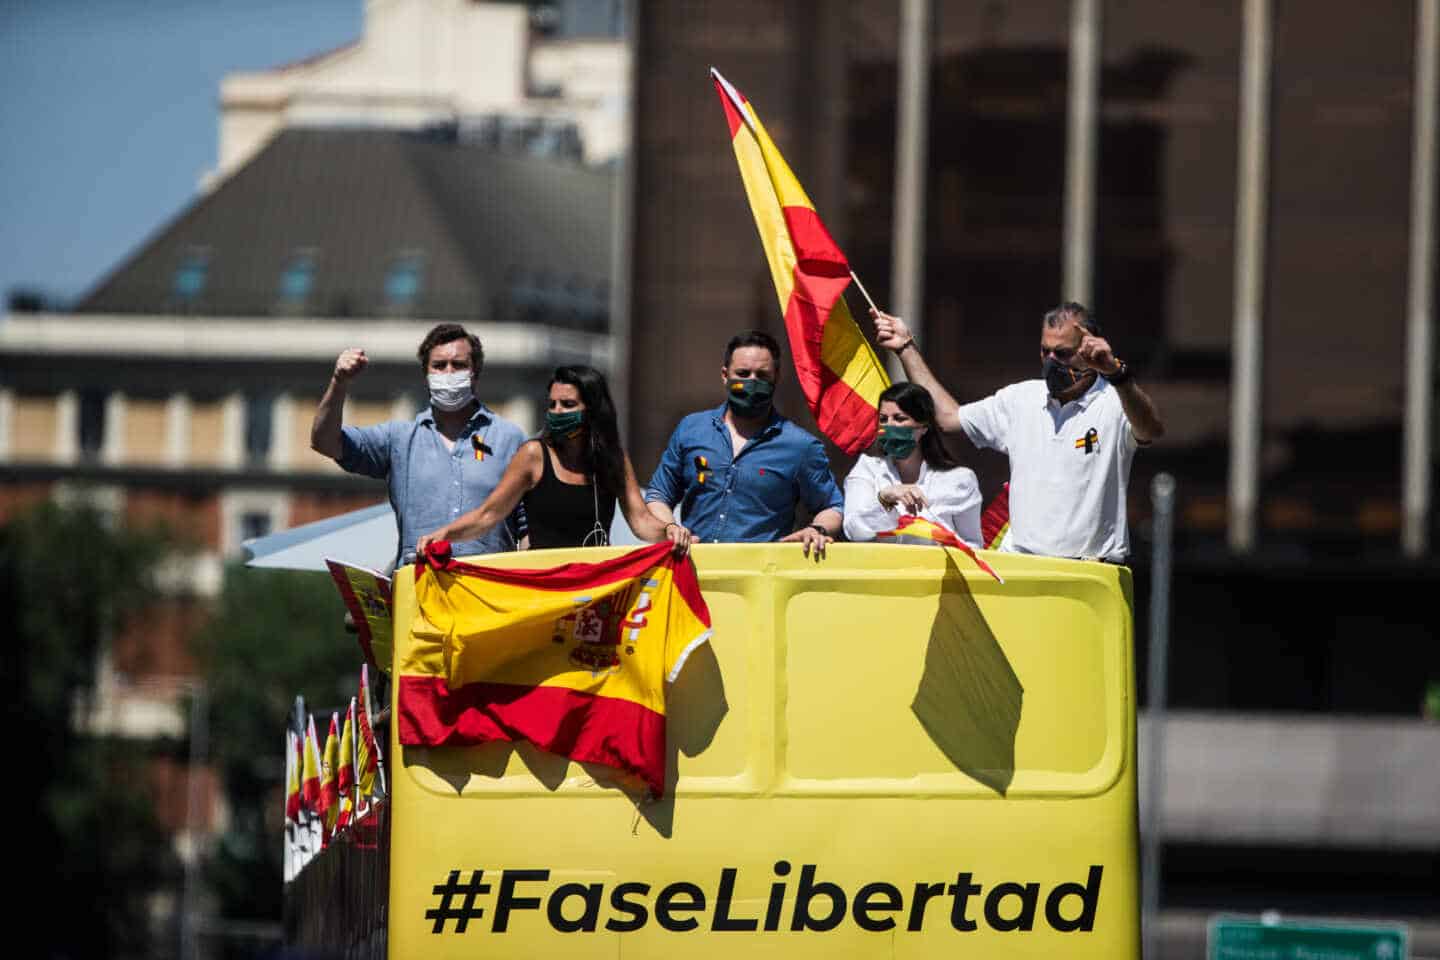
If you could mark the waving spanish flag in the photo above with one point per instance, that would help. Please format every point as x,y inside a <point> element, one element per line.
<point>573,659</point>
<point>913,526</point>
<point>839,373</point>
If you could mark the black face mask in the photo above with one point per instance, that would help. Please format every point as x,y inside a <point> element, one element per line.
<point>1059,377</point>
<point>749,398</point>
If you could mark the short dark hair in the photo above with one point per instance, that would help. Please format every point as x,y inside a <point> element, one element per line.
<point>753,338</point>
<point>446,333</point>
<point>1070,310</point>
<point>917,403</point>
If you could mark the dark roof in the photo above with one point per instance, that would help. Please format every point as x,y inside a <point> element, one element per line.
<point>498,236</point>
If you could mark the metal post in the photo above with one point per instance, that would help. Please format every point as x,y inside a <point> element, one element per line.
<point>1419,336</point>
<point>907,247</point>
<point>1250,228</point>
<point>1081,138</point>
<point>1162,494</point>
<point>622,233</point>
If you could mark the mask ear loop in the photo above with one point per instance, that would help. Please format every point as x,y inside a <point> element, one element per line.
<point>597,536</point>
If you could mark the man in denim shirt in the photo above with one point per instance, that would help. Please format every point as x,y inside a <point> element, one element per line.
<point>737,471</point>
<point>443,463</point>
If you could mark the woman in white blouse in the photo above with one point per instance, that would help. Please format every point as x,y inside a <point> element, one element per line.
<point>915,473</point>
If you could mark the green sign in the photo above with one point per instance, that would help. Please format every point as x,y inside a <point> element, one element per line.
<point>1233,938</point>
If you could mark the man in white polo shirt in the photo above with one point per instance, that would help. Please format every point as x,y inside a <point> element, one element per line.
<point>1070,435</point>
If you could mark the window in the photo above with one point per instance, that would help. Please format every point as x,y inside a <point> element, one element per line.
<point>297,278</point>
<point>402,280</point>
<point>254,523</point>
<point>191,274</point>
<point>92,422</point>
<point>258,417</point>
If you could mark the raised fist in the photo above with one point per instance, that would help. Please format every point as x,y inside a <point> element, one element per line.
<point>349,363</point>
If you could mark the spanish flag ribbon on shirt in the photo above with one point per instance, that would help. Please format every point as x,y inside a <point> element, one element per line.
<point>574,658</point>
<point>913,526</point>
<point>838,371</point>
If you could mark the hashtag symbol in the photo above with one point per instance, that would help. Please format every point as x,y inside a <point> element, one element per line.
<point>446,892</point>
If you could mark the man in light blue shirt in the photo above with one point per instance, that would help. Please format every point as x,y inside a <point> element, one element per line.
<point>737,472</point>
<point>438,466</point>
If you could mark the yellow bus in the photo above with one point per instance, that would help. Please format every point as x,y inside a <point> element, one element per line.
<point>884,753</point>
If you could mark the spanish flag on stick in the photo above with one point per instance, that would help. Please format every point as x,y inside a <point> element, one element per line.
<point>310,772</point>
<point>839,373</point>
<point>574,658</point>
<point>367,750</point>
<point>293,763</point>
<point>329,786</point>
<point>913,526</point>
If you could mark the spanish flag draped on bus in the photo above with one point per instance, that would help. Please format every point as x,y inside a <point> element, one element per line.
<point>574,658</point>
<point>910,525</point>
<point>838,371</point>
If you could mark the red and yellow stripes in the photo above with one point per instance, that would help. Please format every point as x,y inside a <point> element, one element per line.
<point>838,371</point>
<point>573,659</point>
<point>910,525</point>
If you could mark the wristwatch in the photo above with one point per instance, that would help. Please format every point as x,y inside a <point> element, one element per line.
<point>1120,376</point>
<point>822,530</point>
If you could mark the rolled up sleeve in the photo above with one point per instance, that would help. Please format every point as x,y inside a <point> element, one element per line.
<point>365,450</point>
<point>817,484</point>
<point>668,479</point>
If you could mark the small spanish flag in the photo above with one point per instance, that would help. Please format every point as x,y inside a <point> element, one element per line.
<point>913,526</point>
<point>367,598</point>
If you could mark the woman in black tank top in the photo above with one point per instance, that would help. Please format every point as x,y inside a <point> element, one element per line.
<point>570,478</point>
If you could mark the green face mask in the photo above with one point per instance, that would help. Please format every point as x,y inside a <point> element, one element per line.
<point>897,442</point>
<point>749,398</point>
<point>564,425</point>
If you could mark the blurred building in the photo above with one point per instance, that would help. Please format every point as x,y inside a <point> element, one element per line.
<point>454,164</point>
<point>548,75</point>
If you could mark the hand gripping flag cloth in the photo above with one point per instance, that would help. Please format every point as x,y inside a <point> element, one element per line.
<point>913,526</point>
<point>840,375</point>
<point>574,658</point>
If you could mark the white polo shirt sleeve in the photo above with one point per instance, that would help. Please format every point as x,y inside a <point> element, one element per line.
<point>987,422</point>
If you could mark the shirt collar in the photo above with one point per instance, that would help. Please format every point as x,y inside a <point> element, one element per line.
<point>1081,402</point>
<point>480,417</point>
<point>772,425</point>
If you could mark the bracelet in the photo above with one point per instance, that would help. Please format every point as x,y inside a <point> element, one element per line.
<point>904,346</point>
<point>822,531</point>
<point>1121,376</point>
<point>672,523</point>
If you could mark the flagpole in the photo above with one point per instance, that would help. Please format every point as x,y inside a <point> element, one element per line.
<point>863,292</point>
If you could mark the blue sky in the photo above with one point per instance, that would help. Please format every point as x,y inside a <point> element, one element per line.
<point>109,116</point>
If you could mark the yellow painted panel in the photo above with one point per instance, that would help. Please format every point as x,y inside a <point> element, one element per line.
<point>207,432</point>
<point>146,432</point>
<point>813,813</point>
<point>301,456</point>
<point>35,420</point>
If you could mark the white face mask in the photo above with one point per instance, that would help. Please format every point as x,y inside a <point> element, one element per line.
<point>450,391</point>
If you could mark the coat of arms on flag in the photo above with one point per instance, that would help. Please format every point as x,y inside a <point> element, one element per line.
<point>574,659</point>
